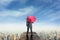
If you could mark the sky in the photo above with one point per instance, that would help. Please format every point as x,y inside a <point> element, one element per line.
<point>13,15</point>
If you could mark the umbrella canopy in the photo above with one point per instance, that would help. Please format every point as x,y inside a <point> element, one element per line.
<point>31,19</point>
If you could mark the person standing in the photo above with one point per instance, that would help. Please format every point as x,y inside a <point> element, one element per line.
<point>29,21</point>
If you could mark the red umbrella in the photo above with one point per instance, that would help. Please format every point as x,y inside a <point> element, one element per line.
<point>31,19</point>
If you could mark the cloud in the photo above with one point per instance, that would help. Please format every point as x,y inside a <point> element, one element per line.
<point>23,1</point>
<point>45,1</point>
<point>12,27</point>
<point>54,16</point>
<point>12,16</point>
<point>49,9</point>
<point>5,2</point>
<point>20,12</point>
<point>43,26</point>
<point>21,27</point>
<point>51,13</point>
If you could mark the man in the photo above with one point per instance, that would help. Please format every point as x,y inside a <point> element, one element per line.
<point>29,21</point>
<point>29,25</point>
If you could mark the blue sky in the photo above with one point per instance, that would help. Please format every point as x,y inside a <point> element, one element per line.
<point>13,14</point>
